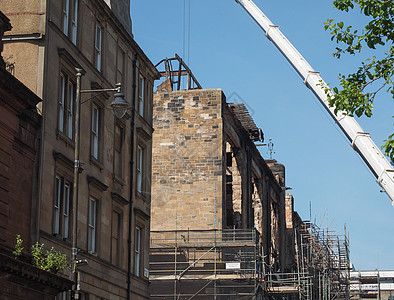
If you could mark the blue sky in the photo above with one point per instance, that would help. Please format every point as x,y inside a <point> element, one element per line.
<point>229,51</point>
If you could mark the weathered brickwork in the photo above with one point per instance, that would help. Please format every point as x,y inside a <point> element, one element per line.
<point>258,208</point>
<point>291,223</point>
<point>187,175</point>
<point>289,210</point>
<point>208,173</point>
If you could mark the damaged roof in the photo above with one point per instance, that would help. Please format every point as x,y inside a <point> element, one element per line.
<point>242,114</point>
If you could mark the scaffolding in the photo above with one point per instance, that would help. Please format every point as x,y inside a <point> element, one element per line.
<point>367,285</point>
<point>230,264</point>
<point>322,268</point>
<point>177,74</point>
<point>206,264</point>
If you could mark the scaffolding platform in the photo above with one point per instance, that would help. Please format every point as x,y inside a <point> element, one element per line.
<point>195,264</point>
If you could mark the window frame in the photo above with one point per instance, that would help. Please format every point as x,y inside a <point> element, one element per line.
<point>74,22</point>
<point>66,209</point>
<point>121,68</point>
<point>141,95</point>
<point>62,296</point>
<point>98,47</point>
<point>92,228</point>
<point>66,16</point>
<point>140,169</point>
<point>62,207</point>
<point>116,257</point>
<point>66,107</point>
<point>96,131</point>
<point>70,19</point>
<point>70,110</point>
<point>57,206</point>
<point>118,167</point>
<point>138,250</point>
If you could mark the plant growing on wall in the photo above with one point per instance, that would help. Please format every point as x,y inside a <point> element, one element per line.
<point>18,246</point>
<point>51,260</point>
<point>55,261</point>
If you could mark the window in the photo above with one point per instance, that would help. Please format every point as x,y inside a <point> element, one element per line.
<point>141,95</point>
<point>66,106</point>
<point>70,19</point>
<point>118,151</point>
<point>137,252</point>
<point>92,227</point>
<point>115,238</point>
<point>61,296</point>
<point>140,157</point>
<point>74,22</point>
<point>98,47</point>
<point>83,296</point>
<point>121,68</point>
<point>66,13</point>
<point>95,132</point>
<point>61,215</point>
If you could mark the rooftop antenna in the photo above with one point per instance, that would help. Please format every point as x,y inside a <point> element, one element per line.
<point>271,148</point>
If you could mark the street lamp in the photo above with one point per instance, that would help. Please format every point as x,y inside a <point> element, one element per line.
<point>119,106</point>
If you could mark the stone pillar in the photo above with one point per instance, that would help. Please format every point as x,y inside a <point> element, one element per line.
<point>237,191</point>
<point>257,207</point>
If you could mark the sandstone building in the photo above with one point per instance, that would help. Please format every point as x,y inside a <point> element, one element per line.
<point>20,126</point>
<point>48,41</point>
<point>213,196</point>
<point>222,224</point>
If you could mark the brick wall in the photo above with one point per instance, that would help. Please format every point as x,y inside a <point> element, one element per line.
<point>188,172</point>
<point>19,127</point>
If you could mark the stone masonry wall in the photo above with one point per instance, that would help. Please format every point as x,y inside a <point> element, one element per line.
<point>257,208</point>
<point>236,193</point>
<point>187,170</point>
<point>289,210</point>
<point>289,261</point>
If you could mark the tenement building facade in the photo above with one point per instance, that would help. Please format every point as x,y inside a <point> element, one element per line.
<point>20,126</point>
<point>49,40</point>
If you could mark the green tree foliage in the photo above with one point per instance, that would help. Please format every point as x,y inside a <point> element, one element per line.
<point>358,90</point>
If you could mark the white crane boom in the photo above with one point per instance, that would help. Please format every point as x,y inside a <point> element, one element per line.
<point>360,140</point>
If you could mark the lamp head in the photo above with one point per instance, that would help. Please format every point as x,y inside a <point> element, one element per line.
<point>119,106</point>
<point>82,262</point>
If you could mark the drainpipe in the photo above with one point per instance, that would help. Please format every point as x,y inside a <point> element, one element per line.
<point>132,125</point>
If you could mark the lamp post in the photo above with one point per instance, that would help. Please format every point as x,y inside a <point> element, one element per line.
<point>119,106</point>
